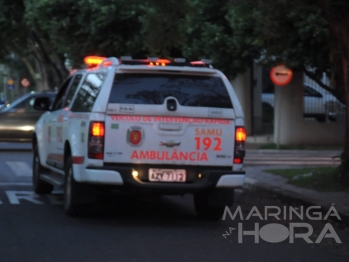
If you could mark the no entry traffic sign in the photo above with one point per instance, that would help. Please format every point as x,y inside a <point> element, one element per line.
<point>281,75</point>
<point>25,82</point>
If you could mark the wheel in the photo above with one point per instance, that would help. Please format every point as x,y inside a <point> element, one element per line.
<point>40,187</point>
<point>211,205</point>
<point>77,196</point>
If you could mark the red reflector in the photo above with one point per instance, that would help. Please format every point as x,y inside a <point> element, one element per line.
<point>240,134</point>
<point>78,159</point>
<point>95,156</point>
<point>97,129</point>
<point>237,160</point>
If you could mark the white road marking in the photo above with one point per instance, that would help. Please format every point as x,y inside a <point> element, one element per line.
<point>15,184</point>
<point>20,168</point>
<point>15,196</point>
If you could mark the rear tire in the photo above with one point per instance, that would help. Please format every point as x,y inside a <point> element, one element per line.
<point>77,197</point>
<point>40,187</point>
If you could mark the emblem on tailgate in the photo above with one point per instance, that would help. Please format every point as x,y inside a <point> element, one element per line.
<point>170,143</point>
<point>135,135</point>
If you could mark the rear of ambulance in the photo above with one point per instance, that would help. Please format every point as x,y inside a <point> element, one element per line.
<point>171,130</point>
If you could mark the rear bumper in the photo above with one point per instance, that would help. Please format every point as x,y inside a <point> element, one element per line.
<point>121,177</point>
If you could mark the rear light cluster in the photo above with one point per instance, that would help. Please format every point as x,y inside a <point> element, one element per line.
<point>239,150</point>
<point>96,140</point>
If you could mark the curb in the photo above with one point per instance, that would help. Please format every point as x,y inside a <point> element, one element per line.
<point>288,195</point>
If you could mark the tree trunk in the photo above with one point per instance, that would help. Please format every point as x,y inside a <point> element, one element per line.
<point>41,81</point>
<point>29,67</point>
<point>336,14</point>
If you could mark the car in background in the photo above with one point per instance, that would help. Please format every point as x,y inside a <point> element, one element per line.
<point>2,104</point>
<point>319,104</point>
<point>17,120</point>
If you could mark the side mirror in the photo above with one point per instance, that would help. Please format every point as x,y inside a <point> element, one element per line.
<point>42,104</point>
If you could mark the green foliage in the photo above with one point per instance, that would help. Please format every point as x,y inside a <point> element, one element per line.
<point>291,32</point>
<point>12,28</point>
<point>323,179</point>
<point>162,27</point>
<point>208,34</point>
<point>230,32</point>
<point>83,27</point>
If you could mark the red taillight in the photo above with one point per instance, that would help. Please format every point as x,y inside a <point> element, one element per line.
<point>240,134</point>
<point>239,151</point>
<point>96,140</point>
<point>97,129</point>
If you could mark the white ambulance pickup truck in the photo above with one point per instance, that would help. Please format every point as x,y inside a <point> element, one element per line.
<point>152,126</point>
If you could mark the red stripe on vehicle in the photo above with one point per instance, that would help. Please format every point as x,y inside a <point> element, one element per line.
<point>78,160</point>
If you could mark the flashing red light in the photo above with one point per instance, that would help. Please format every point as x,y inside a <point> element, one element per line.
<point>197,63</point>
<point>96,140</point>
<point>159,62</point>
<point>93,60</point>
<point>163,61</point>
<point>107,63</point>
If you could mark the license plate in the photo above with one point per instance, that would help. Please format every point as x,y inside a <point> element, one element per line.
<point>167,175</point>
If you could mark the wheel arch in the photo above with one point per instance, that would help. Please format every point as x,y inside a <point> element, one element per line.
<point>67,151</point>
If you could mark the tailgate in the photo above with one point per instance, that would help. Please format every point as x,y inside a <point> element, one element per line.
<point>169,140</point>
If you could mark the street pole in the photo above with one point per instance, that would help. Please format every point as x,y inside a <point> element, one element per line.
<point>4,83</point>
<point>278,118</point>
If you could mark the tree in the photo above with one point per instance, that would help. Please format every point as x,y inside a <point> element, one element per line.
<point>309,36</point>
<point>336,14</point>
<point>78,28</point>
<point>18,37</point>
<point>197,29</point>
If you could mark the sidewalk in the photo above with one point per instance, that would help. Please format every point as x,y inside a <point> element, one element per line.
<point>257,178</point>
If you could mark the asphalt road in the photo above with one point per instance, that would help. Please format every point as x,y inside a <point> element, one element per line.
<point>35,228</point>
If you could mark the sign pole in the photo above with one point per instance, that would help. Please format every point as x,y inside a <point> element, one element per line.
<point>280,75</point>
<point>5,90</point>
<point>278,121</point>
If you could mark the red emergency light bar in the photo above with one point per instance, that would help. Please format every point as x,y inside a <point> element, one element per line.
<point>94,61</point>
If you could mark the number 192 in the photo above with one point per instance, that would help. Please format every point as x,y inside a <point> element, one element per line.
<point>207,142</point>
